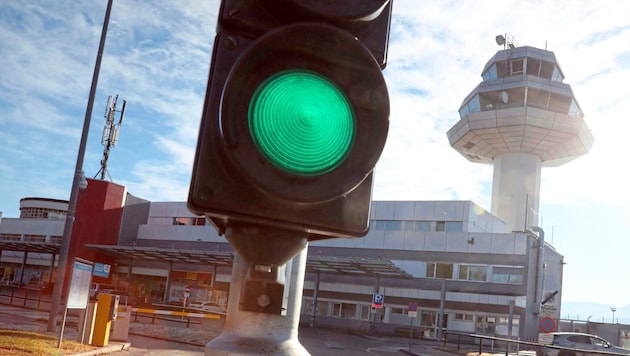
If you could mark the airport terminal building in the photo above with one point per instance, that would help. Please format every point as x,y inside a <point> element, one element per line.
<point>451,258</point>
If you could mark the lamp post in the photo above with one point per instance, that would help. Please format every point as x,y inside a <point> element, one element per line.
<point>613,310</point>
<point>78,181</point>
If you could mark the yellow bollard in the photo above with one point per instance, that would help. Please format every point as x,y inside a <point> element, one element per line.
<point>106,311</point>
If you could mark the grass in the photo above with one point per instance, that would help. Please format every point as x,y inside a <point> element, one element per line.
<point>18,343</point>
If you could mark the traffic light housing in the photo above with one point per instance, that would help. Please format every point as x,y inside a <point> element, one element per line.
<point>295,118</point>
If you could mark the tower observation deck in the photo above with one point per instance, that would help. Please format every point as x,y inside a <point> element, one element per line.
<point>520,118</point>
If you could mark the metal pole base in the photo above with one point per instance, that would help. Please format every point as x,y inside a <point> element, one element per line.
<point>249,333</point>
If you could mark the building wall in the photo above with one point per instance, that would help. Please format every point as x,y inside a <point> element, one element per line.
<point>98,218</point>
<point>135,214</point>
<point>97,221</point>
<point>47,230</point>
<point>471,237</point>
<point>481,242</point>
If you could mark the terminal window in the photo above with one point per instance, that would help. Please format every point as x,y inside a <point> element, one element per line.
<point>189,221</point>
<point>440,270</point>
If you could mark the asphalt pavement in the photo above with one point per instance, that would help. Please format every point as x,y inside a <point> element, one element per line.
<point>177,337</point>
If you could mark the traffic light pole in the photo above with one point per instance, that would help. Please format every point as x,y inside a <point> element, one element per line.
<point>247,333</point>
<point>295,118</point>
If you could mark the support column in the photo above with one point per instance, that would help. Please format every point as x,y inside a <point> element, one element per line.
<point>377,288</point>
<point>511,317</point>
<point>167,291</point>
<point>51,268</point>
<point>214,276</point>
<point>315,290</point>
<point>249,333</point>
<point>440,323</point>
<point>24,257</point>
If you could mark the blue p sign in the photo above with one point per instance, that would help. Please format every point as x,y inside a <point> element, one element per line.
<point>377,300</point>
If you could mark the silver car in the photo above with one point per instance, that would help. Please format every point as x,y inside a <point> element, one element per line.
<point>569,344</point>
<point>209,307</point>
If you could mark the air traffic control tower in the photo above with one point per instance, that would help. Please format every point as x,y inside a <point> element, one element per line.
<point>520,118</point>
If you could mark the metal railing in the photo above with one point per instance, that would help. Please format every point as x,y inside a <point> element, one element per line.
<point>154,314</point>
<point>494,340</point>
<point>16,295</point>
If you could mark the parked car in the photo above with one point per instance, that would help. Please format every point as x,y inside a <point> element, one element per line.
<point>210,307</point>
<point>579,341</point>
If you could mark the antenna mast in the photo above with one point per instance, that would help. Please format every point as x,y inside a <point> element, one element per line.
<point>110,132</point>
<point>507,41</point>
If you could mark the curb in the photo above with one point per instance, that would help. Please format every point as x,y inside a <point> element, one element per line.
<point>106,349</point>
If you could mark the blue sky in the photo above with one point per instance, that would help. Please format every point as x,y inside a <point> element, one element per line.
<point>157,58</point>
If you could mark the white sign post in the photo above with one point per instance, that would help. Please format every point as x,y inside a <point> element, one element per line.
<point>412,312</point>
<point>79,291</point>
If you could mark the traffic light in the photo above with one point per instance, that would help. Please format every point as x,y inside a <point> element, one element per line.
<point>295,118</point>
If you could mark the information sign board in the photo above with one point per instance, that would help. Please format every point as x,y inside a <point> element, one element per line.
<point>79,285</point>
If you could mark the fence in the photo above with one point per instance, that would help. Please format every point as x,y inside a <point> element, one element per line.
<point>512,343</point>
<point>39,299</point>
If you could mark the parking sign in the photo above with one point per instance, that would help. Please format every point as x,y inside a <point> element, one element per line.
<point>377,300</point>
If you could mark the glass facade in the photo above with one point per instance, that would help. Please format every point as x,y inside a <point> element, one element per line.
<point>473,273</point>
<point>511,98</point>
<point>402,225</point>
<point>530,95</point>
<point>509,275</point>
<point>41,213</point>
<point>516,66</point>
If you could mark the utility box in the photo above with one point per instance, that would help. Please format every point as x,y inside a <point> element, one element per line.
<point>86,325</point>
<point>106,312</point>
<point>120,328</point>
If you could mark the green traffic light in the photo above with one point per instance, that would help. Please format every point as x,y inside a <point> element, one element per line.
<point>302,122</point>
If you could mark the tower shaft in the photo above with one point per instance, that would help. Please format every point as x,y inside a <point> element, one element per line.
<point>516,189</point>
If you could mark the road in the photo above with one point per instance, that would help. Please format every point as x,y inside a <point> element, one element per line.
<point>318,342</point>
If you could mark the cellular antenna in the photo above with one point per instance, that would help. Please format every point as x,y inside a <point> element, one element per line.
<point>110,132</point>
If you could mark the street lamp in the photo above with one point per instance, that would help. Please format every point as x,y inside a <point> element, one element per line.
<point>79,182</point>
<point>613,310</point>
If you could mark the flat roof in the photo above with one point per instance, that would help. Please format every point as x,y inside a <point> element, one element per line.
<point>334,265</point>
<point>355,266</point>
<point>324,264</point>
<point>157,254</point>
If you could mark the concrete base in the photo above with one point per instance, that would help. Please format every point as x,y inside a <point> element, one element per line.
<point>232,345</point>
<point>248,333</point>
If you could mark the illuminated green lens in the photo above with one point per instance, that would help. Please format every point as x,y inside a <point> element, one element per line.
<point>301,122</point>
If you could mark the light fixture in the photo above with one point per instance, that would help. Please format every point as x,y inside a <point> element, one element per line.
<point>504,97</point>
<point>83,183</point>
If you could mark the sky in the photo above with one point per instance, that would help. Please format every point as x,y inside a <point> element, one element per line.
<point>157,57</point>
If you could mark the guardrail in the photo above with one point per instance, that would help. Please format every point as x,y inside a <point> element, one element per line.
<point>35,298</point>
<point>155,312</point>
<point>508,342</point>
<point>175,313</point>
<point>478,339</point>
